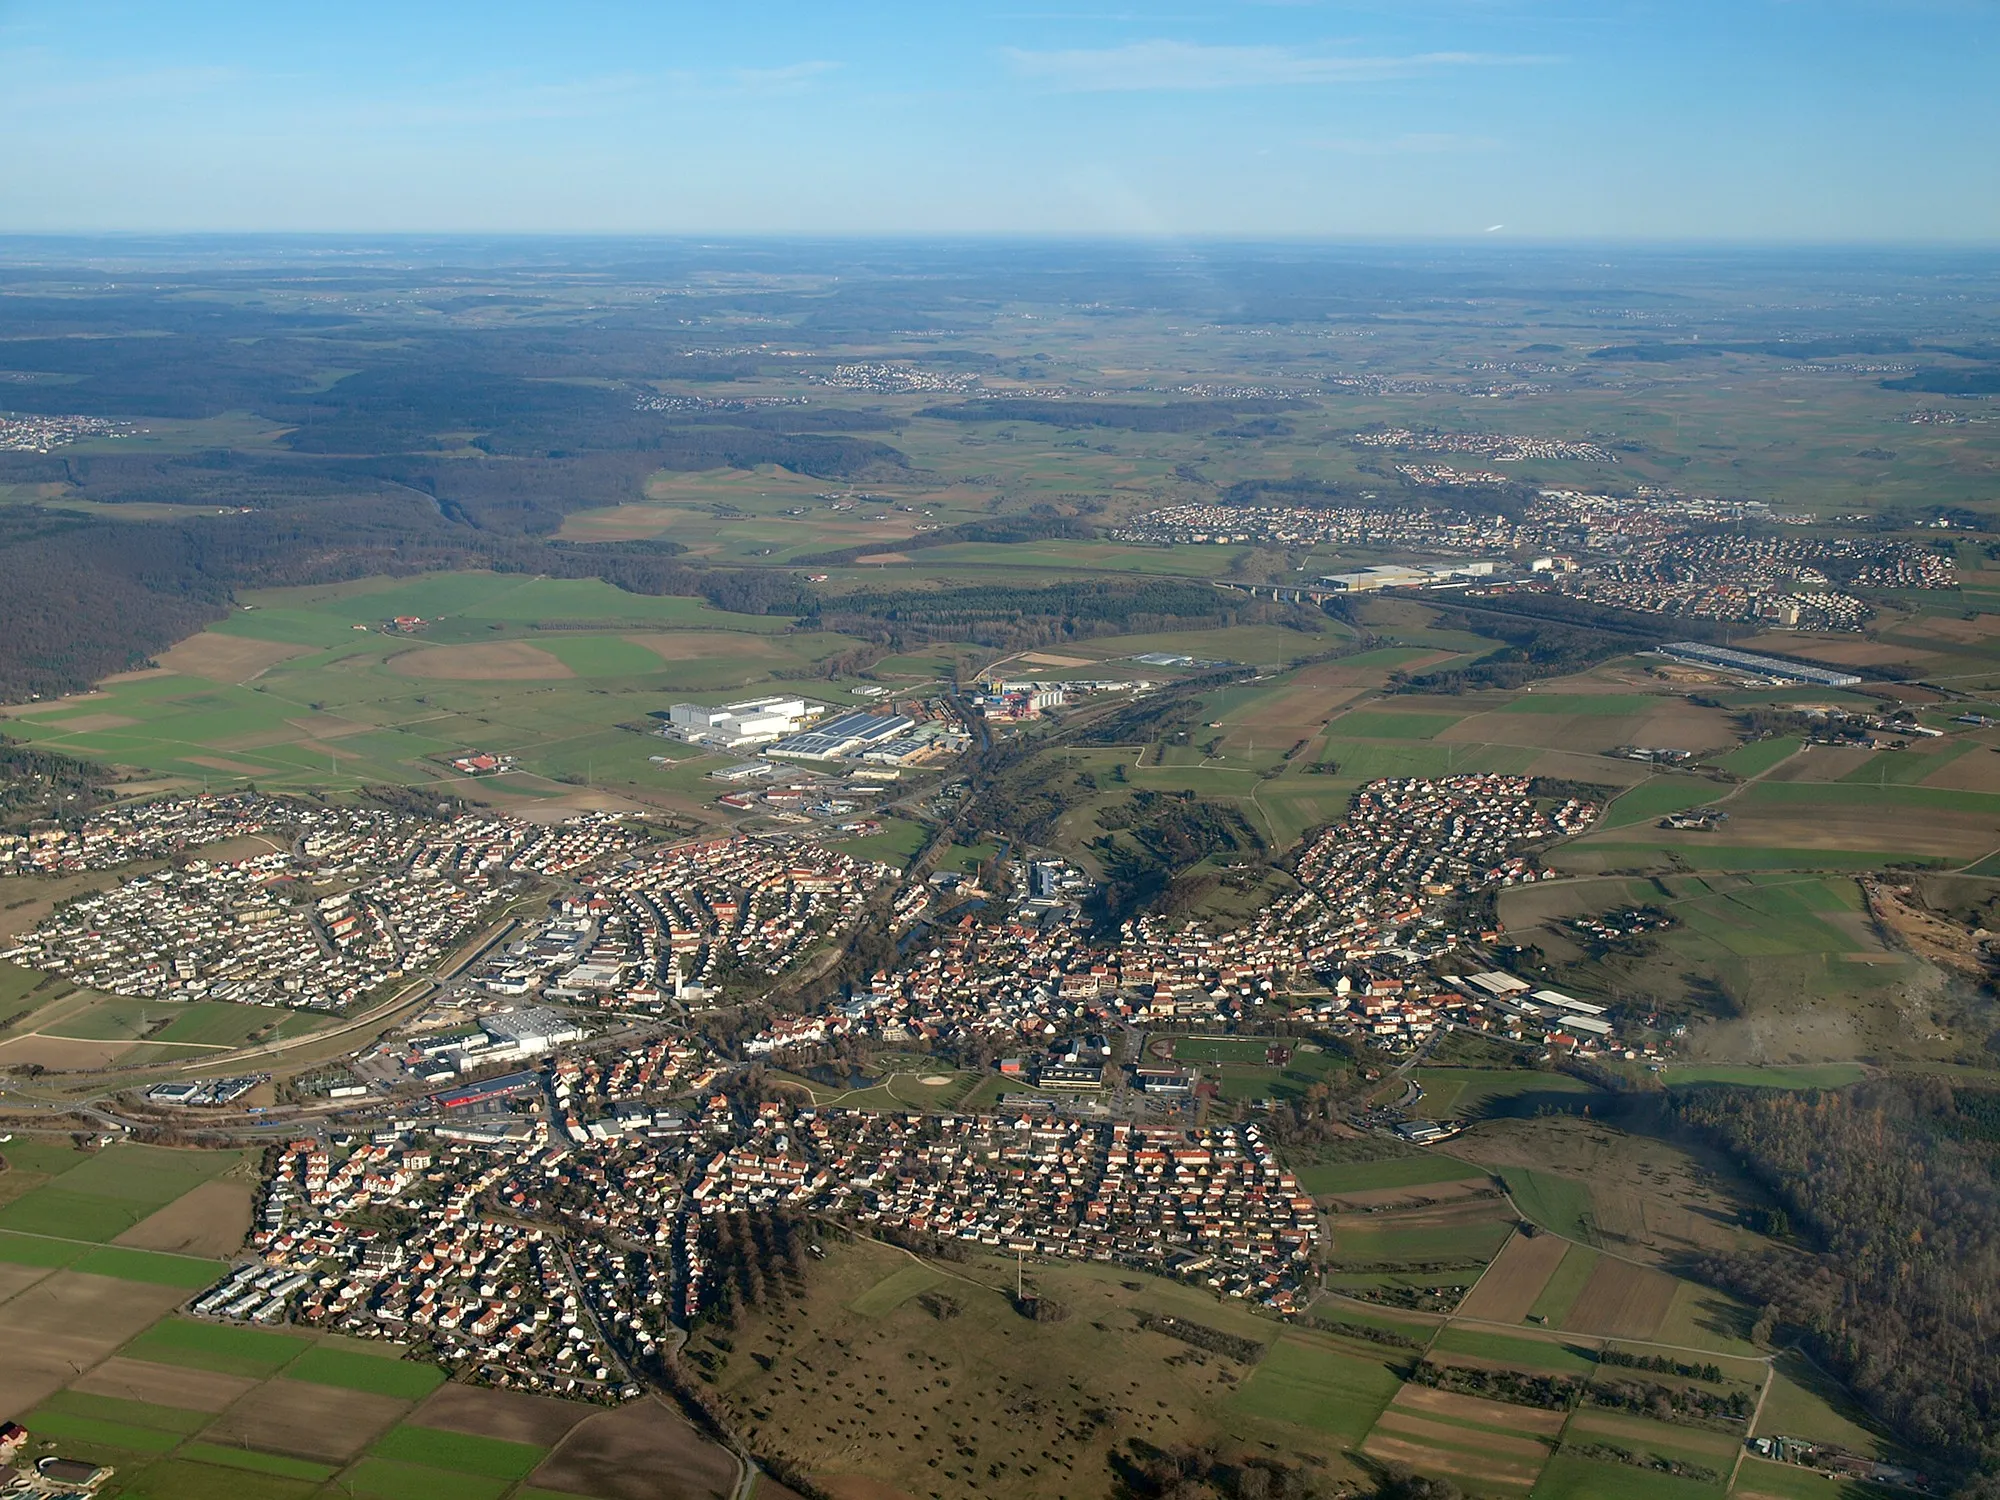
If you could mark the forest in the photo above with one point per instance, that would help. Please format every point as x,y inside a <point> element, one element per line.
<point>442,447</point>
<point>41,786</point>
<point>88,597</point>
<point>1017,616</point>
<point>1171,416</point>
<point>1166,834</point>
<point>1008,530</point>
<point>1891,1280</point>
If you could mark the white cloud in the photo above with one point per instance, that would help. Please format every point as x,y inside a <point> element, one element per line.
<point>1168,65</point>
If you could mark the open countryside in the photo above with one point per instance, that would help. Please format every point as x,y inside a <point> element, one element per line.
<point>901,895</point>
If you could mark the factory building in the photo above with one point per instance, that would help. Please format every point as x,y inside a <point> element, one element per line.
<point>730,726</point>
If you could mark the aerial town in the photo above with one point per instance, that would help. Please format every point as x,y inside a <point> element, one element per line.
<point>478,1268</point>
<point>23,433</point>
<point>558,1080</point>
<point>1655,552</point>
<point>1495,447</point>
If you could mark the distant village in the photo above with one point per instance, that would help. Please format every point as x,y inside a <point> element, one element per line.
<point>26,433</point>
<point>1655,551</point>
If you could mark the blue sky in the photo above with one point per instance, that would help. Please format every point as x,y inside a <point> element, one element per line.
<point>1552,119</point>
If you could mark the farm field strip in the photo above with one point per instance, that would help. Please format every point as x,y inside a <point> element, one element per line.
<point>1480,1467</point>
<point>268,1423</point>
<point>1552,1304</point>
<point>1332,1178</point>
<point>1621,1300</point>
<point>1516,1279</point>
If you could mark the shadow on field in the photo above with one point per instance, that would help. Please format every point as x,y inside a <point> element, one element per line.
<point>1530,1105</point>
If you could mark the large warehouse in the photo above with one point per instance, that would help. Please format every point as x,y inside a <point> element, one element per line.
<point>1697,653</point>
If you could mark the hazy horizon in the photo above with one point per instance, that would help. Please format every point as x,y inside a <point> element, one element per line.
<point>1546,121</point>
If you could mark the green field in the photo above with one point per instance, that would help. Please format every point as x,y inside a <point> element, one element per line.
<point>1797,794</point>
<point>1367,760</point>
<point>459,1452</point>
<point>1364,724</point>
<point>1804,1402</point>
<point>52,1211</point>
<point>1561,1204</point>
<point>1768,942</point>
<point>392,1479</point>
<point>1703,1318</point>
<point>1657,796</point>
<point>103,1194</point>
<point>290,693</point>
<point>216,1346</point>
<point>1357,1241</point>
<point>1552,1305</point>
<point>1468,1093</point>
<point>1248,1081</point>
<point>1310,1386</point>
<point>966,858</point>
<point>896,844</point>
<point>256,1462</point>
<point>110,1018</point>
<point>1759,756</point>
<point>103,1431</point>
<point>177,1479</point>
<point>1525,1353</point>
<point>377,1374</point>
<point>78,1405</point>
<point>204,1022</point>
<point>1230,1049</point>
<point>32,1250</point>
<point>190,1272</point>
<point>35,1161</point>
<point>1908,767</point>
<point>1571,1478</point>
<point>1791,1482</point>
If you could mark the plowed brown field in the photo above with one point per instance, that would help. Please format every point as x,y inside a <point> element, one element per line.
<point>1621,1300</point>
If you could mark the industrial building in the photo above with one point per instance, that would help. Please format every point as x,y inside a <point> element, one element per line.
<point>1399,576</point>
<point>845,735</point>
<point>506,1036</point>
<point>1773,668</point>
<point>730,726</point>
